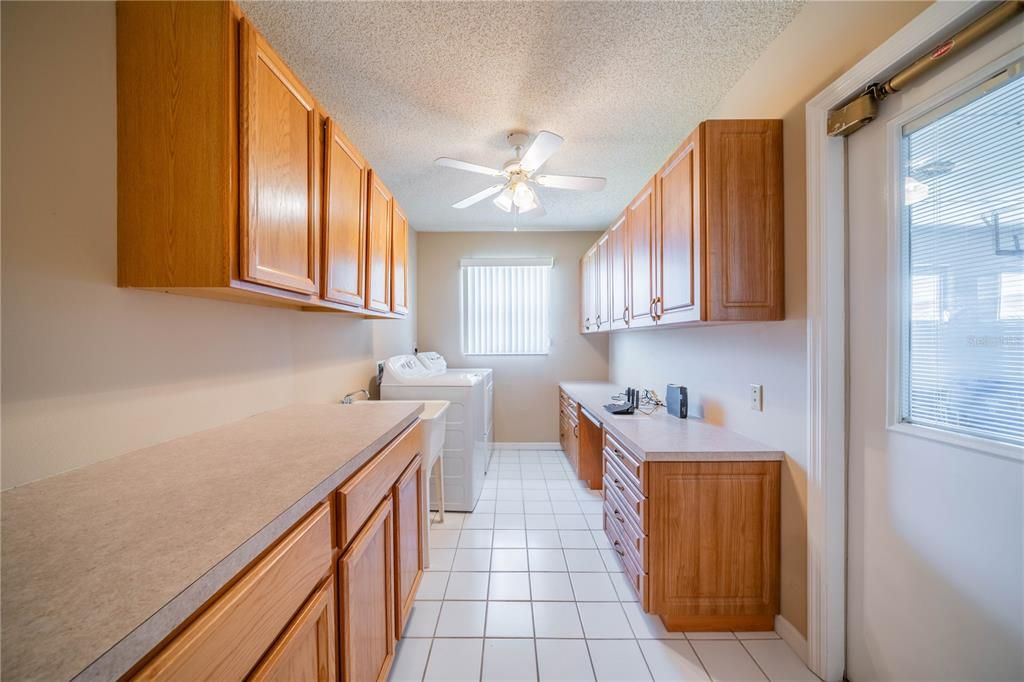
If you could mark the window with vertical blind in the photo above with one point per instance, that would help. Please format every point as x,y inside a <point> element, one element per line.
<point>962,253</point>
<point>505,306</point>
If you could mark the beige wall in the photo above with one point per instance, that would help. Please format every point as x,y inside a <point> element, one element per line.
<point>91,371</point>
<point>718,364</point>
<point>525,387</point>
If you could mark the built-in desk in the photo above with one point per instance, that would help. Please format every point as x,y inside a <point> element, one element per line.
<point>692,509</point>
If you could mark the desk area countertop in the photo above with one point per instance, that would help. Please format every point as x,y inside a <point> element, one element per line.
<point>663,438</point>
<point>100,564</point>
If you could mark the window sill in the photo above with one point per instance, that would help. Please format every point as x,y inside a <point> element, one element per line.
<point>982,445</point>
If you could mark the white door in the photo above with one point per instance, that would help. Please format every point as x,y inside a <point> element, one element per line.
<point>936,376</point>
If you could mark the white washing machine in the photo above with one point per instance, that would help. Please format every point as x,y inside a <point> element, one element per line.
<point>436,362</point>
<point>467,430</point>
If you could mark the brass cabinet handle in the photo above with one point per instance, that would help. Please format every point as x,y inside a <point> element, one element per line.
<point>657,306</point>
<point>654,314</point>
<point>598,321</point>
<point>625,314</point>
<point>576,430</point>
<point>619,485</point>
<point>618,453</point>
<point>618,516</point>
<point>616,546</point>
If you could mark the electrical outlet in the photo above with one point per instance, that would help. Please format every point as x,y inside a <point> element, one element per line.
<point>757,397</point>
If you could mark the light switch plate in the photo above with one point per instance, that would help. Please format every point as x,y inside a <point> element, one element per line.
<point>757,397</point>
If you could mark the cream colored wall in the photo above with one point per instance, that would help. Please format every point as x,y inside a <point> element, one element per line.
<point>91,371</point>
<point>525,387</point>
<point>719,363</point>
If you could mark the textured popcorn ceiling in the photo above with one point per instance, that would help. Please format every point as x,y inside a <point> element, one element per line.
<point>622,82</point>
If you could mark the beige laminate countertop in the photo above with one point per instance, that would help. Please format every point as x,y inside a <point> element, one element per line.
<point>101,563</point>
<point>660,437</point>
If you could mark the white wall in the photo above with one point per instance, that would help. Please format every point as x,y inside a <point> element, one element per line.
<point>719,363</point>
<point>935,532</point>
<point>525,387</point>
<point>91,371</point>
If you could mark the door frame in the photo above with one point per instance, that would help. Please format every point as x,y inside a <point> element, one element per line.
<point>827,333</point>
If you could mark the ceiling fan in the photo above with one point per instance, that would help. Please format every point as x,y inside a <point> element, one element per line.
<point>514,191</point>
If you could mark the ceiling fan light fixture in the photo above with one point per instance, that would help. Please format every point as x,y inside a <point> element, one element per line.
<point>524,197</point>
<point>504,200</point>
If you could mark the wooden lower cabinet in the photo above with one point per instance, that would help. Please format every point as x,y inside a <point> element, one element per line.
<point>408,496</point>
<point>299,613</point>
<point>367,591</point>
<point>698,540</point>
<point>307,651</point>
<point>590,455</point>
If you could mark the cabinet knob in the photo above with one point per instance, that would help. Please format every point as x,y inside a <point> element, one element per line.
<point>618,516</point>
<point>617,545</point>
<point>619,485</point>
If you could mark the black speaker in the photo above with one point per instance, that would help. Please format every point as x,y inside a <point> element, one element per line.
<point>675,400</point>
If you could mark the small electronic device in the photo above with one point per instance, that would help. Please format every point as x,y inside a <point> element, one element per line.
<point>676,400</point>
<point>631,405</point>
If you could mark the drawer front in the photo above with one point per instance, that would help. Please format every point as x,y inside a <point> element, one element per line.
<point>627,533</point>
<point>624,481</point>
<point>234,632</point>
<point>634,573</point>
<point>626,501</point>
<point>361,494</point>
<point>632,465</point>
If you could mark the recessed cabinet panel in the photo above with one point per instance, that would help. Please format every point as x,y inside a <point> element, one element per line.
<point>279,203</point>
<point>743,177</point>
<point>307,650</point>
<point>344,219</point>
<point>409,521</point>
<point>378,253</point>
<point>640,224</point>
<point>678,244</point>
<point>601,259</point>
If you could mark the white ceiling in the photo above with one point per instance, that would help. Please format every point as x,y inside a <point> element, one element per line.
<point>622,82</point>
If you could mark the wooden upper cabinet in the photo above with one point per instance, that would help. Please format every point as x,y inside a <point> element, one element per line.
<point>743,209</point>
<point>278,133</point>
<point>378,243</point>
<point>678,240</point>
<point>307,650</point>
<point>601,281</point>
<point>618,269</point>
<point>345,197</point>
<point>588,291</point>
<point>640,224</point>
<point>702,241</point>
<point>399,260</point>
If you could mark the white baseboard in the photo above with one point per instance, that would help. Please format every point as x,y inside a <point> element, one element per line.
<point>788,632</point>
<point>526,446</point>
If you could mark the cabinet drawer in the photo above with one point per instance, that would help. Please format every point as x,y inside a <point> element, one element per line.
<point>634,573</point>
<point>233,633</point>
<point>360,495</point>
<point>628,534</point>
<point>626,501</point>
<point>621,476</point>
<point>632,465</point>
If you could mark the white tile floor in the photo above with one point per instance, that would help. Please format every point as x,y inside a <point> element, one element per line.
<point>526,587</point>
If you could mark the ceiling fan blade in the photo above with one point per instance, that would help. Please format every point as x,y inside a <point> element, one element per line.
<point>479,196</point>
<point>466,166</point>
<point>576,182</point>
<point>544,145</point>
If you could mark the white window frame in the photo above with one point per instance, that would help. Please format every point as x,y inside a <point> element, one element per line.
<point>548,262</point>
<point>896,299</point>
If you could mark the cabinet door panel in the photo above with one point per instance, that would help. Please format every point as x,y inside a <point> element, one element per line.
<point>367,600</point>
<point>588,292</point>
<point>409,521</point>
<point>678,244</point>
<point>307,650</point>
<point>742,169</point>
<point>603,285</point>
<point>618,259</point>
<point>279,221</point>
<point>399,260</point>
<point>378,252</point>
<point>344,220</point>
<point>640,225</point>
